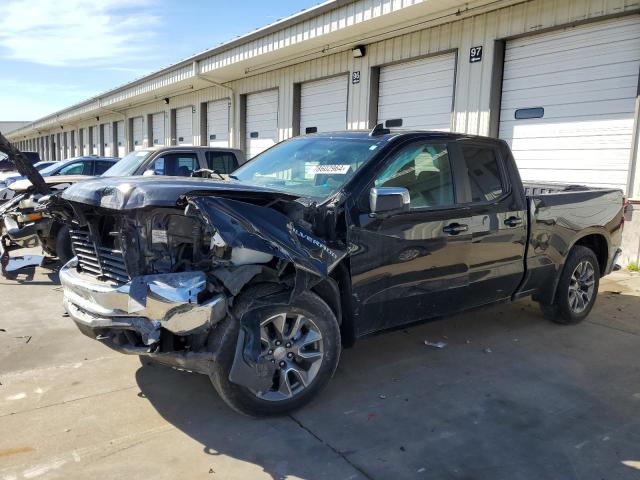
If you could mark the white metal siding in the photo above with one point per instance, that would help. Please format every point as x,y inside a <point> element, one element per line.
<point>262,121</point>
<point>158,128</point>
<point>323,105</point>
<point>218,123</point>
<point>138,133</point>
<point>586,79</point>
<point>108,139</point>
<point>184,126</point>
<point>418,92</point>
<point>121,143</point>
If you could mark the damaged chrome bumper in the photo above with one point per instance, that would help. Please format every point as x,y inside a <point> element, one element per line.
<point>145,306</point>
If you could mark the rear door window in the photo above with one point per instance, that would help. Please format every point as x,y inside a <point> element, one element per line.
<point>483,171</point>
<point>221,162</point>
<point>176,164</point>
<point>102,166</point>
<point>77,168</point>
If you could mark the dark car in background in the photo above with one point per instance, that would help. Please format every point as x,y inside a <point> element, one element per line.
<point>7,165</point>
<point>86,165</point>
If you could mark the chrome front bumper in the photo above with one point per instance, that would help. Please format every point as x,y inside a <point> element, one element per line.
<point>145,305</point>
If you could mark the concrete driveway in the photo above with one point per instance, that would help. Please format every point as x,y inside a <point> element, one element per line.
<point>511,396</point>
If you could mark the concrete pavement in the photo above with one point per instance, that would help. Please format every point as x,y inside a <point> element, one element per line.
<point>511,396</point>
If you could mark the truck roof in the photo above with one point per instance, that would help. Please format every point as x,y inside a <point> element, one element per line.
<point>389,134</point>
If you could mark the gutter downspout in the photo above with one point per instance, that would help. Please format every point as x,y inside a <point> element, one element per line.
<point>200,76</point>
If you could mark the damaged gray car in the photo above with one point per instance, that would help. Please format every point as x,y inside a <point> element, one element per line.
<point>258,279</point>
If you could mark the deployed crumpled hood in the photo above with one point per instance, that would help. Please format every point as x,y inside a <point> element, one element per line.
<point>129,193</point>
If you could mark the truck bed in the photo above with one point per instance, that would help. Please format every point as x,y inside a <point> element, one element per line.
<point>542,188</point>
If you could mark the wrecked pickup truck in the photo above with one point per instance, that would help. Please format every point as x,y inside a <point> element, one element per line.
<point>260,280</point>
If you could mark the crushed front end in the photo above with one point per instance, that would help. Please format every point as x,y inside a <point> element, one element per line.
<point>159,281</point>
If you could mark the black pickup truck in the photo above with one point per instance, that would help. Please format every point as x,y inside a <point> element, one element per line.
<point>259,279</point>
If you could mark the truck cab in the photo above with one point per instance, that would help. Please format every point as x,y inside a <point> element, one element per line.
<point>178,161</point>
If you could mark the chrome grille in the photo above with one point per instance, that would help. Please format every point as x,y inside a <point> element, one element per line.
<point>100,262</point>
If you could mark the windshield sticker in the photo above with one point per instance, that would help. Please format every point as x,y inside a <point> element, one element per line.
<point>329,169</point>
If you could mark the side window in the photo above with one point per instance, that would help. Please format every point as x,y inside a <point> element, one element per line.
<point>75,168</point>
<point>221,162</point>
<point>176,164</point>
<point>483,171</point>
<point>423,169</point>
<point>102,166</point>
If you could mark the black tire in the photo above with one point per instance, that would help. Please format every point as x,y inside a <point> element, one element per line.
<point>561,311</point>
<point>63,245</point>
<point>244,400</point>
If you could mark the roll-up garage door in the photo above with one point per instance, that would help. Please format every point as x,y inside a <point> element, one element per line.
<point>418,94</point>
<point>323,105</point>
<point>261,122</point>
<point>218,123</point>
<point>138,133</point>
<point>568,101</point>
<point>184,126</point>
<point>158,128</point>
<point>67,143</point>
<point>108,139</point>
<point>95,139</point>
<point>120,139</point>
<point>86,141</point>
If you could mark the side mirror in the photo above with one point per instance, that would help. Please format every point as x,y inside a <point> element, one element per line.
<point>149,173</point>
<point>387,199</point>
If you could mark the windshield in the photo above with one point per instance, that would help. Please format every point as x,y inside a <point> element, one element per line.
<point>128,165</point>
<point>40,166</point>
<point>313,167</point>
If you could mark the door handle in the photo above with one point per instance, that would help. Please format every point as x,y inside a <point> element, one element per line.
<point>513,221</point>
<point>455,228</point>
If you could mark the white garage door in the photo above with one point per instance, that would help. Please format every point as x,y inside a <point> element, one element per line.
<point>67,139</point>
<point>420,93</point>
<point>262,121</point>
<point>108,139</point>
<point>86,141</point>
<point>120,140</point>
<point>568,102</point>
<point>138,133</point>
<point>218,123</point>
<point>323,105</point>
<point>158,128</point>
<point>184,126</point>
<point>95,139</point>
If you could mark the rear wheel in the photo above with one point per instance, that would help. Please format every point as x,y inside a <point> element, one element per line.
<point>300,340</point>
<point>577,288</point>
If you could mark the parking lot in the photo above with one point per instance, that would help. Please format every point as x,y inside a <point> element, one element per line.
<point>510,396</point>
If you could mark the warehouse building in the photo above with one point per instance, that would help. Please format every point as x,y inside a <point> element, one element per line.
<point>557,79</point>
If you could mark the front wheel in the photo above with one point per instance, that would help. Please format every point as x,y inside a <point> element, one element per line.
<point>577,288</point>
<point>301,340</point>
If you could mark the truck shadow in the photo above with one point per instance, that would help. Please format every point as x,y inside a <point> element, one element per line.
<point>502,399</point>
